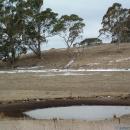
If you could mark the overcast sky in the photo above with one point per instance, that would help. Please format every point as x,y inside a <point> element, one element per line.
<point>91,11</point>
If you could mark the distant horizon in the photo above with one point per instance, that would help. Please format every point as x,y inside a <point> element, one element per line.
<point>92,12</point>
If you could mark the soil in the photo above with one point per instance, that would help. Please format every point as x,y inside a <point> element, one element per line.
<point>16,108</point>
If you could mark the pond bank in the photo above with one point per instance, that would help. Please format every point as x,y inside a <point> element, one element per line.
<point>15,108</point>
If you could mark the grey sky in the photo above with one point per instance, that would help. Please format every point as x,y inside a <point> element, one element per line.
<point>91,11</point>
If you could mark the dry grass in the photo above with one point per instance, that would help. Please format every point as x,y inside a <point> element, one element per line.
<point>61,125</point>
<point>105,55</point>
<point>23,86</point>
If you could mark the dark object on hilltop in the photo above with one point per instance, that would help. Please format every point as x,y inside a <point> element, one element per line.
<point>90,42</point>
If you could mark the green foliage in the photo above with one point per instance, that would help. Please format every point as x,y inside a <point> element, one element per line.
<point>115,23</point>
<point>39,28</point>
<point>11,24</point>
<point>69,28</point>
<point>24,25</point>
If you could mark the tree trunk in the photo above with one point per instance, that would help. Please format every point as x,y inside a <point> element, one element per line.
<point>39,50</point>
<point>39,43</point>
<point>13,58</point>
<point>13,51</point>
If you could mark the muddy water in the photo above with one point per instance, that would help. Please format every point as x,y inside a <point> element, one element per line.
<point>80,112</point>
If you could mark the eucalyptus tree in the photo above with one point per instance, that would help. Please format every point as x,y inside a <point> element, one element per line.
<point>69,28</point>
<point>114,23</point>
<point>39,26</point>
<point>23,25</point>
<point>11,26</point>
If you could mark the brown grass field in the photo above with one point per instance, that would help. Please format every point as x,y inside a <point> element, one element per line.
<point>64,125</point>
<point>103,56</point>
<point>30,86</point>
<point>22,86</point>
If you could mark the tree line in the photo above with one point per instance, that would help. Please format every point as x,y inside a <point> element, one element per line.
<point>116,24</point>
<point>25,25</point>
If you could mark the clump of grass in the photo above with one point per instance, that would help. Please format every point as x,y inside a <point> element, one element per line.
<point>55,124</point>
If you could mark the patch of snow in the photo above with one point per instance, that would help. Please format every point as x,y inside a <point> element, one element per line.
<point>111,61</point>
<point>123,59</point>
<point>64,74</point>
<point>109,96</point>
<point>69,73</point>
<point>29,68</point>
<point>47,75</point>
<point>69,64</point>
<point>92,64</point>
<point>60,75</point>
<point>119,60</point>
<point>108,70</point>
<point>63,70</point>
<point>7,72</point>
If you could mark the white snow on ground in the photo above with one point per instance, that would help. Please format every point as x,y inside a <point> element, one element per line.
<point>63,74</point>
<point>69,64</point>
<point>111,61</point>
<point>47,75</point>
<point>92,64</point>
<point>29,68</point>
<point>63,70</point>
<point>123,59</point>
<point>120,60</point>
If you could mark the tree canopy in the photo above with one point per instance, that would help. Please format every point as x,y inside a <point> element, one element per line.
<point>23,25</point>
<point>11,26</point>
<point>38,29</point>
<point>26,25</point>
<point>69,28</point>
<point>115,23</point>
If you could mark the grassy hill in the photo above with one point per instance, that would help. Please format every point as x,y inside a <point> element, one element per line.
<point>102,56</point>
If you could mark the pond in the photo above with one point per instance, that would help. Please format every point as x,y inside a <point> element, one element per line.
<point>80,112</point>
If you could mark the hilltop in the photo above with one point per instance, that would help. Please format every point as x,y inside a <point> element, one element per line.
<point>102,56</point>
